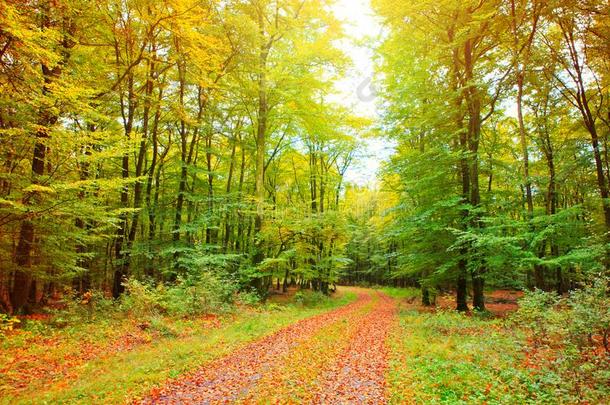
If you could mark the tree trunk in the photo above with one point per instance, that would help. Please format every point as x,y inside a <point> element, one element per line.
<point>261,139</point>
<point>478,298</point>
<point>153,174</point>
<point>524,147</point>
<point>122,256</point>
<point>22,281</point>
<point>227,216</point>
<point>425,296</point>
<point>473,102</point>
<point>209,234</point>
<point>462,293</point>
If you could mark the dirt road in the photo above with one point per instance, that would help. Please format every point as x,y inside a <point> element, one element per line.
<point>337,357</point>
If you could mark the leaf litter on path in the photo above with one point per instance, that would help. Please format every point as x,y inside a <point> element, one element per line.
<point>229,379</point>
<point>358,375</point>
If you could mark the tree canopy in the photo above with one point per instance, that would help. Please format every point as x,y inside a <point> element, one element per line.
<point>167,140</point>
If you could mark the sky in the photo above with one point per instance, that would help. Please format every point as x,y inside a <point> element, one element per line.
<point>354,90</point>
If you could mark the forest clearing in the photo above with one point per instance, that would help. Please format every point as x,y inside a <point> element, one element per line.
<point>305,201</point>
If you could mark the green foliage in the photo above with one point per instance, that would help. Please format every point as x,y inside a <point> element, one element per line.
<point>143,300</point>
<point>250,297</point>
<point>96,183</point>
<point>79,308</point>
<point>187,297</point>
<point>310,298</point>
<point>536,313</point>
<point>590,314</point>
<point>205,294</point>
<point>159,325</point>
<point>402,293</point>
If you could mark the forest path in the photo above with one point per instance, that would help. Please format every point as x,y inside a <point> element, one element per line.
<point>336,357</point>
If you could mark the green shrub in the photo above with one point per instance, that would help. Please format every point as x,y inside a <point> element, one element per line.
<point>143,299</point>
<point>590,320</point>
<point>536,315</point>
<point>362,284</point>
<point>249,297</point>
<point>79,308</point>
<point>275,307</point>
<point>193,296</point>
<point>187,297</point>
<point>408,293</point>
<point>310,298</point>
<point>36,326</point>
<point>160,326</point>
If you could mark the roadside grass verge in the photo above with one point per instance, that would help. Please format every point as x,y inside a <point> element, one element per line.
<point>449,358</point>
<point>114,361</point>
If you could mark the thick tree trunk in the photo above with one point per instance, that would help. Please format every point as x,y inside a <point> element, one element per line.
<point>285,284</point>
<point>261,138</point>
<point>239,245</point>
<point>210,233</point>
<point>22,281</point>
<point>521,53</point>
<point>425,296</point>
<point>187,153</point>
<point>139,166</point>
<point>181,195</point>
<point>461,296</point>
<point>539,278</point>
<point>83,281</point>
<point>478,298</point>
<point>580,98</point>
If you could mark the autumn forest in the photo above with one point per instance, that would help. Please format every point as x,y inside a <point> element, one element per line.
<point>209,201</point>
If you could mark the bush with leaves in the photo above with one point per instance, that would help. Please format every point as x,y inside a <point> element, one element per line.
<point>249,297</point>
<point>198,295</point>
<point>78,308</point>
<point>310,298</point>
<point>143,299</point>
<point>193,295</point>
<point>590,320</point>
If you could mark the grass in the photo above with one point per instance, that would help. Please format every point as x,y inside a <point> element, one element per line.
<point>402,293</point>
<point>450,358</point>
<point>168,348</point>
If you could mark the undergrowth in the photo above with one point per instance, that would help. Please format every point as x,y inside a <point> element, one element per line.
<point>553,350</point>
